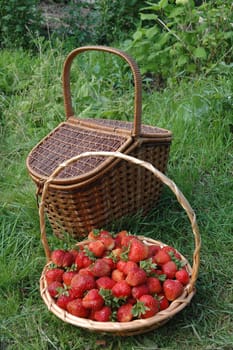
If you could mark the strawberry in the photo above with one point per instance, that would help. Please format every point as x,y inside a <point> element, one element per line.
<point>119,237</point>
<point>63,300</point>
<point>93,300</point>
<point>130,265</point>
<point>82,260</point>
<point>117,275</point>
<point>54,288</point>
<point>182,276</point>
<point>103,315</point>
<point>105,282</point>
<point>97,248</point>
<point>107,240</point>
<point>67,277</point>
<point>82,283</point>
<point>62,258</point>
<point>163,302</point>
<point>138,291</point>
<point>152,250</point>
<point>151,304</point>
<point>161,257</point>
<point>116,253</point>
<point>74,252</point>
<point>136,277</point>
<point>110,261</point>
<point>57,256</point>
<point>121,265</point>
<point>154,285</point>
<point>169,269</point>
<point>121,289</point>
<point>93,235</point>
<point>54,275</point>
<point>138,250</point>
<point>124,313</point>
<point>172,289</point>
<point>125,240</point>
<point>76,308</point>
<point>68,259</point>
<point>100,268</point>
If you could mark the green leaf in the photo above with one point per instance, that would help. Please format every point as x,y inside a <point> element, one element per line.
<point>148,16</point>
<point>200,52</point>
<point>137,35</point>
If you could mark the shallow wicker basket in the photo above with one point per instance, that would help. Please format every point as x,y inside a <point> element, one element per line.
<point>89,193</point>
<point>136,326</point>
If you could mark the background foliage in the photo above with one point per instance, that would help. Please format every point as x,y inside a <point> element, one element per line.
<point>195,104</point>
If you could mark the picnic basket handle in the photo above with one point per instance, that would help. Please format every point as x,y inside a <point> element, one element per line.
<point>163,178</point>
<point>136,74</point>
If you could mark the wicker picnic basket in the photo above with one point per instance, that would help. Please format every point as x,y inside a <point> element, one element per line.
<point>136,326</point>
<point>94,191</point>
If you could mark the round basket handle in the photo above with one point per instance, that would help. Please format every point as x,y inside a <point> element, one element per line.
<point>137,82</point>
<point>180,198</point>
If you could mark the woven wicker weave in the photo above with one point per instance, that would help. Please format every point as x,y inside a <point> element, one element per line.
<point>87,193</point>
<point>136,326</point>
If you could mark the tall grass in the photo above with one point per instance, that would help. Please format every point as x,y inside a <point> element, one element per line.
<point>199,113</point>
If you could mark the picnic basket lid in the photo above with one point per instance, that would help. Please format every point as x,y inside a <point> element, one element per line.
<point>77,135</point>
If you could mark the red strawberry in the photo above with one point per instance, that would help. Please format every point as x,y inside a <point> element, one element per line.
<point>62,258</point>
<point>121,265</point>
<point>163,302</point>
<point>161,257</point>
<point>119,237</point>
<point>86,271</point>
<point>125,240</point>
<point>103,315</point>
<point>82,260</point>
<point>57,256</point>
<point>154,285</point>
<point>76,308</point>
<point>172,289</point>
<point>169,269</point>
<point>54,288</point>
<point>182,276</point>
<point>67,277</point>
<point>68,259</point>
<point>117,275</point>
<point>138,291</point>
<point>93,300</point>
<point>136,277</point>
<point>54,275</point>
<point>138,250</point>
<point>152,250</point>
<point>110,262</point>
<point>82,283</point>
<point>97,248</point>
<point>74,252</point>
<point>124,313</point>
<point>107,240</point>
<point>151,304</point>
<point>63,300</point>
<point>130,265</point>
<point>105,282</point>
<point>100,268</point>
<point>121,289</point>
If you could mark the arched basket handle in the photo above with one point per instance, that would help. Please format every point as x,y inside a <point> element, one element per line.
<point>163,178</point>
<point>136,75</point>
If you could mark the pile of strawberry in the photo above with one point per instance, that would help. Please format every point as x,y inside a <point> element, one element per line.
<point>115,277</point>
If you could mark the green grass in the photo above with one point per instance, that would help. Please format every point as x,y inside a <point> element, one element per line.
<point>199,113</point>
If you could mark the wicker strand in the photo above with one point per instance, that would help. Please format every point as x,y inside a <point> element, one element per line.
<point>180,198</point>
